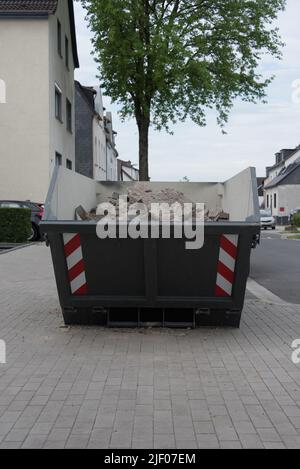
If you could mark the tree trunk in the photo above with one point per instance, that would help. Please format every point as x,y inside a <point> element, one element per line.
<point>143,126</point>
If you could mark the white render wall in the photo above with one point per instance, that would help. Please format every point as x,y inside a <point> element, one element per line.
<point>61,140</point>
<point>271,194</point>
<point>288,197</point>
<point>29,132</point>
<point>112,165</point>
<point>24,129</point>
<point>130,174</point>
<point>99,150</point>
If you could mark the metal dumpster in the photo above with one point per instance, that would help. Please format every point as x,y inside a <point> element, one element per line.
<point>142,282</point>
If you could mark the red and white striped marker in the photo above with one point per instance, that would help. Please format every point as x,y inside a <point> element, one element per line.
<point>75,264</point>
<point>226,265</point>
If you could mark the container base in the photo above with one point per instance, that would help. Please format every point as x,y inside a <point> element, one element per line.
<point>151,317</point>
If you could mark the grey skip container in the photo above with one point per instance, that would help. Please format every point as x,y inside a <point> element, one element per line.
<point>142,282</point>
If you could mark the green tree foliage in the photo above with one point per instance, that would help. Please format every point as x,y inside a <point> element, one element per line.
<point>166,60</point>
<point>296,220</point>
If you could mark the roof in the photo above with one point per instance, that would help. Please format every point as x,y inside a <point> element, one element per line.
<point>284,174</point>
<point>39,8</point>
<point>127,164</point>
<point>28,7</point>
<point>260,186</point>
<point>87,93</point>
<point>287,154</point>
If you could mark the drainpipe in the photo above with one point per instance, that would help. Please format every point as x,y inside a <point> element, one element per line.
<point>106,159</point>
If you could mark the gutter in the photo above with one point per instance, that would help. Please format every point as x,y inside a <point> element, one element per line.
<point>21,15</point>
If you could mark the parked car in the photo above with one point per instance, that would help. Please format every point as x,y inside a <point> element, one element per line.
<point>267,220</point>
<point>37,211</point>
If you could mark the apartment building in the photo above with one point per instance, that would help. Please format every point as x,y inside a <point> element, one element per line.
<point>96,154</point>
<point>38,56</point>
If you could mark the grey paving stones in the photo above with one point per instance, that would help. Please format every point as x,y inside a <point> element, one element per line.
<point>88,387</point>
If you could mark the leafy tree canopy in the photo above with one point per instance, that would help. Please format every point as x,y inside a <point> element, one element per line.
<point>166,60</point>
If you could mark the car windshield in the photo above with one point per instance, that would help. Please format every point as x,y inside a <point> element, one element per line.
<point>265,213</point>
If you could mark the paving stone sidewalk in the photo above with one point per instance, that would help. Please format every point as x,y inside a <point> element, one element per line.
<point>87,387</point>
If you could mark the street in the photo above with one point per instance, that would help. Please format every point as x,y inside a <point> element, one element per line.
<point>141,155</point>
<point>275,265</point>
<point>90,387</point>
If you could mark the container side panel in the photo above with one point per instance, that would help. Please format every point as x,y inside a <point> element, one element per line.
<point>240,198</point>
<point>67,191</point>
<point>187,273</point>
<point>114,267</point>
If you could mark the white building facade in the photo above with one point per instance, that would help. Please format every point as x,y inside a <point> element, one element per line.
<point>127,171</point>
<point>96,154</point>
<point>38,55</point>
<point>282,186</point>
<point>112,154</point>
<point>99,137</point>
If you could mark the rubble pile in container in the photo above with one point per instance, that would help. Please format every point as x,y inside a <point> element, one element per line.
<point>141,194</point>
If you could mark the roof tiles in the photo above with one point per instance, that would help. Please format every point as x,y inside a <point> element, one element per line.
<point>28,6</point>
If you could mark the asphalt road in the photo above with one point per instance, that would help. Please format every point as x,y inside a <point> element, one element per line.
<point>275,265</point>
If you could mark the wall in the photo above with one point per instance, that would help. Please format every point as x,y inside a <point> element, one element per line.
<point>61,140</point>
<point>288,198</point>
<point>287,194</point>
<point>240,197</point>
<point>273,173</point>
<point>129,173</point>
<point>24,130</point>
<point>205,192</point>
<point>112,166</point>
<point>84,134</point>
<point>270,195</point>
<point>99,149</point>
<point>67,191</point>
<point>70,190</point>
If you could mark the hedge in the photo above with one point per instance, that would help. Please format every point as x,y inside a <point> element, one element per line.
<point>296,220</point>
<point>15,225</point>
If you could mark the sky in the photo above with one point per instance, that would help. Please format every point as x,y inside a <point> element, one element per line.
<point>255,132</point>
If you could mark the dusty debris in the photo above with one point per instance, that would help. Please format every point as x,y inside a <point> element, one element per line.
<point>142,194</point>
<point>82,214</point>
<point>217,215</point>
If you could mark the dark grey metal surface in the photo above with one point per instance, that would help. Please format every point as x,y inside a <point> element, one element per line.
<point>156,281</point>
<point>84,140</point>
<point>140,275</point>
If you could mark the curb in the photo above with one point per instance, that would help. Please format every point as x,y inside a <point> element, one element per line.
<point>9,249</point>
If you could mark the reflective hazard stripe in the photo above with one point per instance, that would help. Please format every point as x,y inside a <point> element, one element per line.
<point>226,265</point>
<point>75,264</point>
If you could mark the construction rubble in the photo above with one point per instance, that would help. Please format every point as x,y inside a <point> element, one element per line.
<point>141,194</point>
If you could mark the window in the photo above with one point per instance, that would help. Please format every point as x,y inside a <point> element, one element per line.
<point>69,164</point>
<point>67,51</point>
<point>275,200</point>
<point>58,107</point>
<point>10,205</point>
<point>268,201</point>
<point>59,48</point>
<point>69,115</point>
<point>58,159</point>
<point>2,92</point>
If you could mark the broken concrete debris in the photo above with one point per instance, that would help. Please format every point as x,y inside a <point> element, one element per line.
<point>141,194</point>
